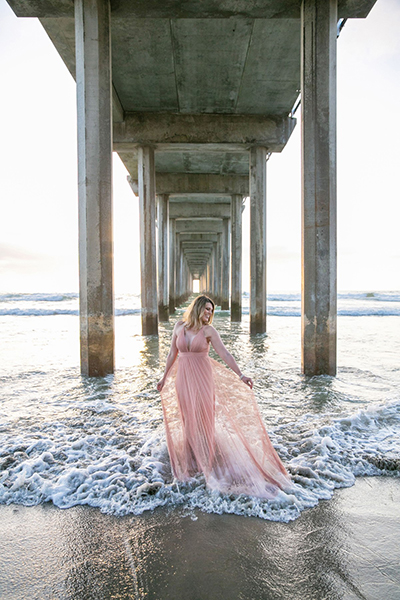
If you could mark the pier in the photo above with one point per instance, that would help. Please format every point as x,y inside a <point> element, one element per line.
<point>195,97</point>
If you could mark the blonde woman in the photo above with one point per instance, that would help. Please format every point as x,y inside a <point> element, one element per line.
<point>213,425</point>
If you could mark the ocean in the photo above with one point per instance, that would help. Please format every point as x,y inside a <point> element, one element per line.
<point>72,440</point>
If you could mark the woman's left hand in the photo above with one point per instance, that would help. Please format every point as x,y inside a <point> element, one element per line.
<point>160,384</point>
<point>247,380</point>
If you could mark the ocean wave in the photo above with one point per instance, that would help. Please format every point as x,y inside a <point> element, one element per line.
<point>36,312</point>
<point>38,297</point>
<point>43,312</point>
<point>102,467</point>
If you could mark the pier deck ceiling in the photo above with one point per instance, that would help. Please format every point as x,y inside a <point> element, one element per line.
<point>211,60</point>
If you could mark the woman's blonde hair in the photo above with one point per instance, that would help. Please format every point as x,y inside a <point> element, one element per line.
<point>194,312</point>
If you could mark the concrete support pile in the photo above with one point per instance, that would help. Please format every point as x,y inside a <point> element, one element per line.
<point>93,78</point>
<point>318,80</point>
<point>148,257</point>
<point>236,257</point>
<point>172,265</point>
<point>225,265</point>
<point>163,283</point>
<point>258,240</point>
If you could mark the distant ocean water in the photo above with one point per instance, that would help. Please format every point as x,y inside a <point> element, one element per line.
<point>73,440</point>
<point>350,304</point>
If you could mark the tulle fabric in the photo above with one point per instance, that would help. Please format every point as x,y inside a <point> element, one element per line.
<point>213,426</point>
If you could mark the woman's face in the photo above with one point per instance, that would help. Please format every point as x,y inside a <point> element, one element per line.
<point>207,313</point>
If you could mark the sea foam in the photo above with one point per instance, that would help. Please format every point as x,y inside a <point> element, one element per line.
<point>101,469</point>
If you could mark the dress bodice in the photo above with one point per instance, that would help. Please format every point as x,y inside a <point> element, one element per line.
<point>197,343</point>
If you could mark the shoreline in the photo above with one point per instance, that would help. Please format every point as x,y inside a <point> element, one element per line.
<point>344,548</point>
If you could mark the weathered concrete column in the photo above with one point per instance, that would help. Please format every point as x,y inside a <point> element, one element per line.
<point>184,277</point>
<point>225,265</point>
<point>219,262</point>
<point>178,270</point>
<point>172,266</point>
<point>258,240</point>
<point>215,272</point>
<point>162,222</point>
<point>189,281</point>
<point>318,107</point>
<point>148,256</point>
<point>236,257</point>
<point>213,259</point>
<point>93,84</point>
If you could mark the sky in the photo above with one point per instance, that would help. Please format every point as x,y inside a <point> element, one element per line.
<point>38,169</point>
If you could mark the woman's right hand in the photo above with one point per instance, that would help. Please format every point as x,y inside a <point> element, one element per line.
<point>247,380</point>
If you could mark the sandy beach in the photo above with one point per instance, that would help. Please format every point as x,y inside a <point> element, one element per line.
<point>346,548</point>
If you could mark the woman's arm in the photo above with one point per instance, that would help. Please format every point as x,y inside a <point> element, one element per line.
<point>213,336</point>
<point>172,354</point>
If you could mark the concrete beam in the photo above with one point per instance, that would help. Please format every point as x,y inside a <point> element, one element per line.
<point>96,297</point>
<point>200,198</point>
<point>223,197</point>
<point>199,226</point>
<point>149,128</point>
<point>196,238</point>
<point>196,256</point>
<point>193,248</point>
<point>319,285</point>
<point>176,184</point>
<point>199,211</point>
<point>210,9</point>
<point>196,246</point>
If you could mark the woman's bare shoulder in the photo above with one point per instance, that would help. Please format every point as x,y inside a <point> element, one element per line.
<point>178,326</point>
<point>209,330</point>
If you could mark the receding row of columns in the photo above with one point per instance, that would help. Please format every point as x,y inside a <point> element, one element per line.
<point>224,259</point>
<point>94,97</point>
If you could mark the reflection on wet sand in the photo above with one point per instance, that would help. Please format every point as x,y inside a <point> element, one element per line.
<point>345,548</point>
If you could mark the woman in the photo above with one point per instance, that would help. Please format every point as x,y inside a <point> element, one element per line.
<point>212,421</point>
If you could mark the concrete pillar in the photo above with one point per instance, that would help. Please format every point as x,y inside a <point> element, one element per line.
<point>212,270</point>
<point>172,266</point>
<point>184,277</point>
<point>163,284</point>
<point>318,107</point>
<point>208,276</point>
<point>225,265</point>
<point>236,257</point>
<point>219,262</point>
<point>189,282</point>
<point>178,271</point>
<point>258,240</point>
<point>148,256</point>
<point>215,272</point>
<point>93,84</point>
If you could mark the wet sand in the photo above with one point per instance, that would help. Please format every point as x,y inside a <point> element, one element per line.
<point>346,548</point>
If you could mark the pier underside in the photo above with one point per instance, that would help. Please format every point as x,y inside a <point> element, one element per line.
<point>195,97</point>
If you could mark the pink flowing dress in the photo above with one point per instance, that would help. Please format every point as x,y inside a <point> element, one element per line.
<point>213,426</point>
